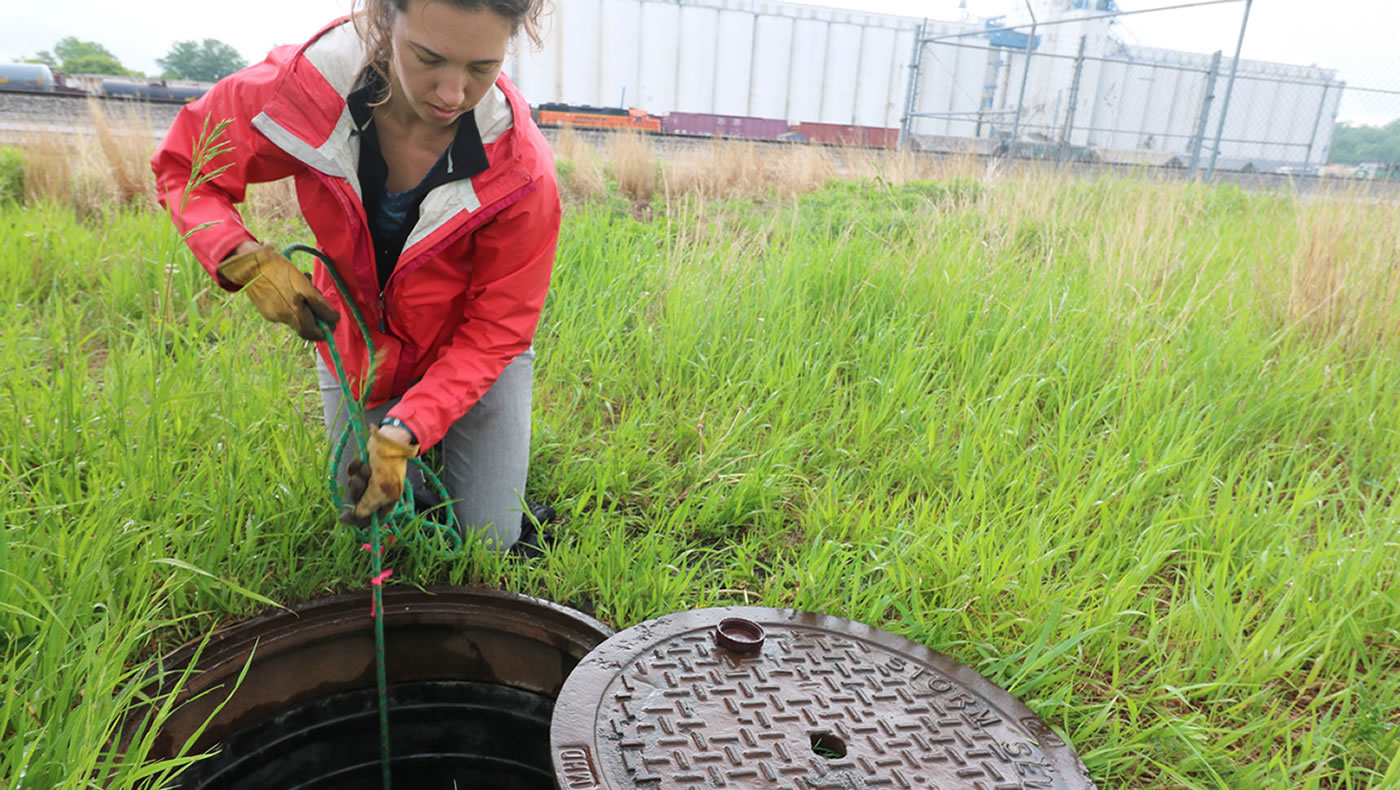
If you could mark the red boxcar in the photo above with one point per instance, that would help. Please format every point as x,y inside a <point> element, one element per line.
<point>836,134</point>
<point>707,125</point>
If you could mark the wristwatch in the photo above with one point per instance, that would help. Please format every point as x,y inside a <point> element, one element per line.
<point>395,422</point>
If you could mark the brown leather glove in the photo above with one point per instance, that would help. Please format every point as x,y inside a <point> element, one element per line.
<point>376,486</point>
<point>279,291</point>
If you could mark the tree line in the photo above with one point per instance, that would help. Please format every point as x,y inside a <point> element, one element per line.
<point>206,61</point>
<point>1353,145</point>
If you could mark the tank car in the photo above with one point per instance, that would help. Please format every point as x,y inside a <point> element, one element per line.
<point>35,77</point>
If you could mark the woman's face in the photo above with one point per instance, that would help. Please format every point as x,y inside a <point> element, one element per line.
<point>445,59</point>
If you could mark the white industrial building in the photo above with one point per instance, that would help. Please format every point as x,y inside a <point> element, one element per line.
<point>808,64</point>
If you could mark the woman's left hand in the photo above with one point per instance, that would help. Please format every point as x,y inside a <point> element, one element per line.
<point>375,487</point>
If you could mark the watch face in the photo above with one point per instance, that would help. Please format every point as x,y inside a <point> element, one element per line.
<point>395,422</point>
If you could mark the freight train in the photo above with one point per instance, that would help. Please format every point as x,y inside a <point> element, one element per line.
<point>38,78</point>
<point>693,124</point>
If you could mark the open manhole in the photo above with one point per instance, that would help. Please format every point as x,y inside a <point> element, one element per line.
<point>472,674</point>
<point>493,690</point>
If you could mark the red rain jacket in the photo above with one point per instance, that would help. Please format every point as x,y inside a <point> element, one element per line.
<point>465,297</point>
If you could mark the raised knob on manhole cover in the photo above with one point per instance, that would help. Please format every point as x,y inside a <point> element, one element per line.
<point>739,635</point>
<point>817,702</point>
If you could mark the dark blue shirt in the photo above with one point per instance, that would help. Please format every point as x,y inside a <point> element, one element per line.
<point>392,215</point>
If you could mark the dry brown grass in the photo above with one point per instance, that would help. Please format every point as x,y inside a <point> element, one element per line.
<point>802,168</point>
<point>1343,270</point>
<point>720,169</point>
<point>902,166</point>
<point>1326,265</point>
<point>581,175</point>
<point>110,166</point>
<point>275,201</point>
<point>48,165</point>
<point>633,165</point>
<point>126,138</point>
<point>94,172</point>
<point>641,168</point>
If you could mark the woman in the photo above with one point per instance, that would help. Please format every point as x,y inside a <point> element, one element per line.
<point>422,176</point>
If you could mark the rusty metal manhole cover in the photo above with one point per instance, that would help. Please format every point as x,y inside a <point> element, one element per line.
<point>777,698</point>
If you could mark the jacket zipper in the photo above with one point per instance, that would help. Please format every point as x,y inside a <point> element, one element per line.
<point>452,237</point>
<point>484,214</point>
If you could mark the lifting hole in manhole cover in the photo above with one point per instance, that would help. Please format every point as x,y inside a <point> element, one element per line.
<point>825,744</point>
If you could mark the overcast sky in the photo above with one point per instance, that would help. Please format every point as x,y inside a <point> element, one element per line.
<point>1358,38</point>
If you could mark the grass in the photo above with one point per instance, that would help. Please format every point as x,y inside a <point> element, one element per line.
<point>1129,449</point>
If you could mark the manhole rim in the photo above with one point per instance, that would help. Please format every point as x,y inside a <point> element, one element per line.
<point>327,624</point>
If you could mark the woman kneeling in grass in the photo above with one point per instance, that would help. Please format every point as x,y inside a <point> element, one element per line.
<point>421,174</point>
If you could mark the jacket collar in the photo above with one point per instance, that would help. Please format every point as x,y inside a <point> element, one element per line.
<point>464,158</point>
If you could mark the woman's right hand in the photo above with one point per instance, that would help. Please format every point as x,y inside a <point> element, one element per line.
<point>278,289</point>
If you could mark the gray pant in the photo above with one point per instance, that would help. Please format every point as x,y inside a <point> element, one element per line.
<point>483,460</point>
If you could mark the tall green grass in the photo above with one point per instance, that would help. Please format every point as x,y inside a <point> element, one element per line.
<point>1128,449</point>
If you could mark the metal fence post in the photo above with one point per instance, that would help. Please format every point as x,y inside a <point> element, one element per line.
<point>1336,108</point>
<point>1317,123</point>
<point>1025,78</point>
<point>1199,140</point>
<point>1073,97</point>
<point>1229,89</point>
<point>906,124</point>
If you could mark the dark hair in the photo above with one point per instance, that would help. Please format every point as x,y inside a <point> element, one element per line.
<point>375,23</point>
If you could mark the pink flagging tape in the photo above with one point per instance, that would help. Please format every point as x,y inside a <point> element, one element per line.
<point>387,543</point>
<point>377,581</point>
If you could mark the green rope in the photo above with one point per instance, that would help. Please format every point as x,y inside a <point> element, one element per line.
<point>443,540</point>
<point>380,680</point>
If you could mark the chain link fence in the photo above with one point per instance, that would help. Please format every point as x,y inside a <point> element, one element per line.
<point>1065,88</point>
<point>1366,145</point>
